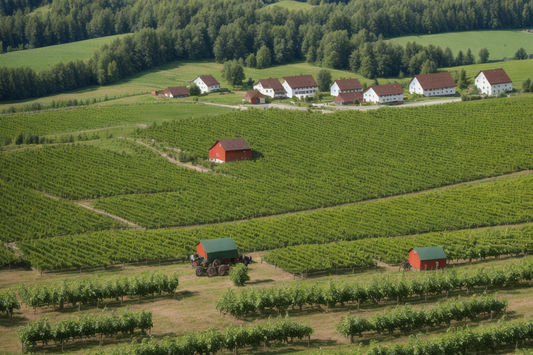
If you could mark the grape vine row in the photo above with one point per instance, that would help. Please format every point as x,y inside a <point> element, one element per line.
<point>86,326</point>
<point>8,302</point>
<point>462,244</point>
<point>93,290</point>
<point>406,319</point>
<point>258,300</point>
<point>211,341</point>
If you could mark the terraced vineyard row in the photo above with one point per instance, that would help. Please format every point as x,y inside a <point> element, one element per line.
<point>26,214</point>
<point>84,118</point>
<point>483,204</point>
<point>463,244</point>
<point>6,256</point>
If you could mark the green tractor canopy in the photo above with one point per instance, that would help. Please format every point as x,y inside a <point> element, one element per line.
<point>212,249</point>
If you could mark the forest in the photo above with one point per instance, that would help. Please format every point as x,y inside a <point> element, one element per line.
<point>336,35</point>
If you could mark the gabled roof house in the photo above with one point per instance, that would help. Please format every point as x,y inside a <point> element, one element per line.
<point>388,93</point>
<point>436,84</point>
<point>493,82</point>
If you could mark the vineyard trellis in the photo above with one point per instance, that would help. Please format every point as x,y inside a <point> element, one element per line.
<point>8,302</point>
<point>408,319</point>
<point>253,301</point>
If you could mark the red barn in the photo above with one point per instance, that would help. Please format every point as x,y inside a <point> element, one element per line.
<point>225,150</point>
<point>430,258</point>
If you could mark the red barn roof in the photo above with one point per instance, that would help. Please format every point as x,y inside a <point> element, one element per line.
<point>349,84</point>
<point>208,80</point>
<point>435,81</point>
<point>252,94</point>
<point>271,83</point>
<point>177,90</point>
<point>232,144</point>
<point>387,89</point>
<point>300,81</point>
<point>496,76</point>
<point>349,97</point>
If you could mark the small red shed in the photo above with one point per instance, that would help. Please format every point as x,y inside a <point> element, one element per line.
<point>429,258</point>
<point>225,150</point>
<point>254,97</point>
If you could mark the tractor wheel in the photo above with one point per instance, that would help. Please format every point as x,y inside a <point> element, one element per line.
<point>211,272</point>
<point>199,271</point>
<point>222,269</point>
<point>217,263</point>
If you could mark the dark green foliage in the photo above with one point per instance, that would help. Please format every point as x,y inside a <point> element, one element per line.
<point>527,86</point>
<point>520,54</point>
<point>251,61</point>
<point>239,274</point>
<point>194,90</point>
<point>429,67</point>
<point>233,72</point>
<point>483,55</point>
<point>264,58</point>
<point>324,80</point>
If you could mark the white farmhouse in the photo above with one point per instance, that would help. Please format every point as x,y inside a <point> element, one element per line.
<point>300,86</point>
<point>271,87</point>
<point>384,94</point>
<point>345,85</point>
<point>207,83</point>
<point>437,84</point>
<point>493,82</point>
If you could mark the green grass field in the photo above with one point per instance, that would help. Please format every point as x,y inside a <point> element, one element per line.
<point>41,58</point>
<point>290,5</point>
<point>518,70</point>
<point>500,44</point>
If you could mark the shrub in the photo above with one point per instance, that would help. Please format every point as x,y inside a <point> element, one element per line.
<point>239,275</point>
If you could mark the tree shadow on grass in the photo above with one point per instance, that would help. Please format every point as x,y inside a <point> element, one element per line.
<point>14,321</point>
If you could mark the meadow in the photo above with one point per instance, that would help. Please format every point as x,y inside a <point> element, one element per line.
<point>41,58</point>
<point>518,70</point>
<point>500,44</point>
<point>290,5</point>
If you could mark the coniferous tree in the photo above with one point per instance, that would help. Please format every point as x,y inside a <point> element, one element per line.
<point>483,55</point>
<point>264,58</point>
<point>324,80</point>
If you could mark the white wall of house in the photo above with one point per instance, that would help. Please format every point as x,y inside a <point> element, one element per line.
<point>416,88</point>
<point>204,88</point>
<point>335,91</point>
<point>487,89</point>
<point>371,96</point>
<point>300,93</point>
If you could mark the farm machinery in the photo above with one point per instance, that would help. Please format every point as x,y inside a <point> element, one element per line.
<point>214,256</point>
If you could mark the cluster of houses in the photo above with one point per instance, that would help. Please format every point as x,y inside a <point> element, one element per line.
<point>350,91</point>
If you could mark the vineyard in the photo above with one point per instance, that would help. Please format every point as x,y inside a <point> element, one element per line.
<point>87,326</point>
<point>96,290</point>
<point>253,301</point>
<point>458,245</point>
<point>501,202</point>
<point>211,341</point>
<point>8,302</point>
<point>6,256</point>
<point>407,319</point>
<point>84,118</point>
<point>26,214</point>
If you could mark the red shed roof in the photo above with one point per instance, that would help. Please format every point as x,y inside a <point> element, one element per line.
<point>496,76</point>
<point>349,84</point>
<point>300,81</point>
<point>232,144</point>
<point>349,97</point>
<point>387,89</point>
<point>271,83</point>
<point>251,94</point>
<point>435,80</point>
<point>177,90</point>
<point>208,80</point>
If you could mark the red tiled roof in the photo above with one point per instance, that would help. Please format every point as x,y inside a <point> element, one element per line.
<point>387,89</point>
<point>435,81</point>
<point>271,83</point>
<point>496,76</point>
<point>208,80</point>
<point>253,93</point>
<point>232,144</point>
<point>177,90</point>
<point>300,81</point>
<point>349,97</point>
<point>349,84</point>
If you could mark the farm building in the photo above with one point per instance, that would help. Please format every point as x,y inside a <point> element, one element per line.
<point>349,98</point>
<point>271,87</point>
<point>176,91</point>
<point>254,97</point>
<point>388,93</point>
<point>437,84</point>
<point>493,82</point>
<point>224,249</point>
<point>429,258</point>
<point>207,83</point>
<point>300,86</point>
<point>345,85</point>
<point>157,92</point>
<point>225,150</point>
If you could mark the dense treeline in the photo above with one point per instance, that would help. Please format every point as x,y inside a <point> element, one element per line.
<point>10,7</point>
<point>343,36</point>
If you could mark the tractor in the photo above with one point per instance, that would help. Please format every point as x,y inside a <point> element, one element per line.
<point>214,256</point>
